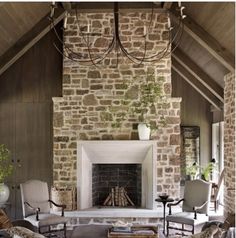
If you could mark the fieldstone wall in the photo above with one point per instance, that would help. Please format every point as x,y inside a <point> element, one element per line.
<point>88,92</point>
<point>229,143</point>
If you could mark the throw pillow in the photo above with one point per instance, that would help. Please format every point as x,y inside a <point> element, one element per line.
<point>22,232</point>
<point>4,220</point>
<point>211,232</point>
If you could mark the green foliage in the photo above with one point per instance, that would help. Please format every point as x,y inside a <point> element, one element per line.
<point>193,170</point>
<point>206,172</point>
<point>5,167</point>
<point>142,95</point>
<point>106,116</point>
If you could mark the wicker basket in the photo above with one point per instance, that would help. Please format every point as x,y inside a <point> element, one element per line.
<point>65,196</point>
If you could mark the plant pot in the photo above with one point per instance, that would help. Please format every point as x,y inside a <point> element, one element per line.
<point>143,132</point>
<point>4,193</point>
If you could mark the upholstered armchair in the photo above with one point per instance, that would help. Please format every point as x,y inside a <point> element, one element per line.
<point>196,201</point>
<point>36,207</point>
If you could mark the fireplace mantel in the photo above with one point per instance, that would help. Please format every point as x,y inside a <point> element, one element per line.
<point>116,152</point>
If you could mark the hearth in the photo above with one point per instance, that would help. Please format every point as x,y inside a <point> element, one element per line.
<point>111,159</point>
<point>117,185</point>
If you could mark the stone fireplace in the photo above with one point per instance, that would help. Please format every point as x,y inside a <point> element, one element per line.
<point>88,92</point>
<point>120,154</point>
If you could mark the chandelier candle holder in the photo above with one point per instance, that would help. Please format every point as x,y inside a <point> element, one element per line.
<point>115,44</point>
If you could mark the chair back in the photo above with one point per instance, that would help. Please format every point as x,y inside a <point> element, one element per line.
<point>35,192</point>
<point>196,193</point>
<point>220,182</point>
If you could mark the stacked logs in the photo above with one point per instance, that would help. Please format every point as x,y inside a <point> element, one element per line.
<point>118,197</point>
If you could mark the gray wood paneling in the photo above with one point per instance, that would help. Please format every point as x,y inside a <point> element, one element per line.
<point>195,111</point>
<point>26,91</point>
<point>36,76</point>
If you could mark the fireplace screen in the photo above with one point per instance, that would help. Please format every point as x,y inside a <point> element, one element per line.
<point>116,184</point>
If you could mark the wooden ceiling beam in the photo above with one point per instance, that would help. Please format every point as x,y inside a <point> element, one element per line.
<point>28,40</point>
<point>67,6</point>
<point>167,5</point>
<point>207,41</point>
<point>183,72</point>
<point>199,74</point>
<point>104,7</point>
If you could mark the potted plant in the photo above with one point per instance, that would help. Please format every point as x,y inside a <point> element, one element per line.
<point>192,171</point>
<point>207,171</point>
<point>5,170</point>
<point>141,98</point>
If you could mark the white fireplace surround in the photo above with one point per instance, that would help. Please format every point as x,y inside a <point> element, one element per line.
<point>116,152</point>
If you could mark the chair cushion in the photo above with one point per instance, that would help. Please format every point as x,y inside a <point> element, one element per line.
<point>187,218</point>
<point>36,193</point>
<point>46,219</point>
<point>4,220</point>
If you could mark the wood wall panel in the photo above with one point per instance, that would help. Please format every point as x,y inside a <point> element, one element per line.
<point>26,91</point>
<point>36,76</point>
<point>195,111</point>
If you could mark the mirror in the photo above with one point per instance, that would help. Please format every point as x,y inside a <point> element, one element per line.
<point>190,147</point>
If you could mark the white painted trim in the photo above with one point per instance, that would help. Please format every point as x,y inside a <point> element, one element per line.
<point>115,152</point>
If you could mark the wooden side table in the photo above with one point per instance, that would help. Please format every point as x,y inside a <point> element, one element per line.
<point>164,202</point>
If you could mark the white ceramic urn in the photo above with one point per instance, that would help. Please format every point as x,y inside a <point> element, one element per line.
<point>4,193</point>
<point>144,131</point>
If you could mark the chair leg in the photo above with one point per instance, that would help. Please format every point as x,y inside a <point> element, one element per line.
<point>49,230</point>
<point>183,229</point>
<point>65,230</point>
<point>215,205</point>
<point>167,228</point>
<point>193,230</point>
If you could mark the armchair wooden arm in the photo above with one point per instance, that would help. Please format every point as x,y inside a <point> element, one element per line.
<point>196,208</point>
<point>36,209</point>
<point>174,204</point>
<point>63,206</point>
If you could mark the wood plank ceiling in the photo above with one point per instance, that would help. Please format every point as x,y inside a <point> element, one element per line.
<point>17,18</point>
<point>218,20</point>
<point>213,21</point>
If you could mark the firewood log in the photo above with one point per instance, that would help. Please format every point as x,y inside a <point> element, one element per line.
<point>107,199</point>
<point>112,197</point>
<point>128,198</point>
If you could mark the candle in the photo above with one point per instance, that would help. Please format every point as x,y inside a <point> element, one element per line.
<point>89,28</point>
<point>169,24</point>
<point>179,4</point>
<point>145,30</point>
<point>65,21</point>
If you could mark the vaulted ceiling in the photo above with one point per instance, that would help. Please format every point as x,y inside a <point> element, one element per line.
<point>17,18</point>
<point>218,20</point>
<point>206,52</point>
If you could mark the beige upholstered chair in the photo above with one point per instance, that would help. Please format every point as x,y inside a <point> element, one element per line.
<point>196,201</point>
<point>36,206</point>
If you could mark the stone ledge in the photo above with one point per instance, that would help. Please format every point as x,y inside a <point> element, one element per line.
<point>117,213</point>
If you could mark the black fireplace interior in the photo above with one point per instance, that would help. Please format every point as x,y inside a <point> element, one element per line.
<point>107,176</point>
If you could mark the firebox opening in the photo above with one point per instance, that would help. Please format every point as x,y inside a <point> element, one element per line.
<point>108,178</point>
